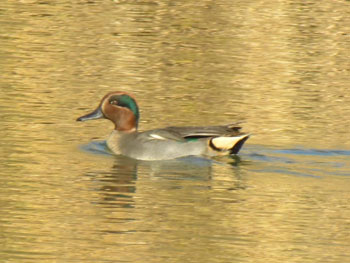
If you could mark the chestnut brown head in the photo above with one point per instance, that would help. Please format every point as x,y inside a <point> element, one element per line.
<point>120,108</point>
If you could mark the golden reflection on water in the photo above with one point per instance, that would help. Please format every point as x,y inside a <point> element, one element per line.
<point>282,67</point>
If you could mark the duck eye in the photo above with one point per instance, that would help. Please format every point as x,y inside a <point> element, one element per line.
<point>113,102</point>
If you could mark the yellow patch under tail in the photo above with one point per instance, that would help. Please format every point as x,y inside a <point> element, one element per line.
<point>232,144</point>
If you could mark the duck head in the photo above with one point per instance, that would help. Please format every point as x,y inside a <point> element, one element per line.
<point>120,108</point>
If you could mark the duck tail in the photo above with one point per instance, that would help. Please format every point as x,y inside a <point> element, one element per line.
<point>231,144</point>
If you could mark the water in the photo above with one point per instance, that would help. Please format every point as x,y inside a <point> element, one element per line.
<point>281,67</point>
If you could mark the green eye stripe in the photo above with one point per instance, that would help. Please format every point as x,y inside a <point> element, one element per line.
<point>127,102</point>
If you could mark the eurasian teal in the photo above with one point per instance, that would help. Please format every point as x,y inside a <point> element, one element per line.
<point>165,143</point>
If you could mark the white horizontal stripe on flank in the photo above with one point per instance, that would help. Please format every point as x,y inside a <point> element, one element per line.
<point>158,137</point>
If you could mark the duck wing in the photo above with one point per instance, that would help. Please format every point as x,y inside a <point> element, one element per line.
<point>205,131</point>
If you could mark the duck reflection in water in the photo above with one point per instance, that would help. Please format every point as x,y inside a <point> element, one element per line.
<point>118,185</point>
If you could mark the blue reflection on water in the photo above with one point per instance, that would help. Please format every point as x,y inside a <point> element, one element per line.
<point>96,147</point>
<point>300,161</point>
<point>313,152</point>
<point>297,162</point>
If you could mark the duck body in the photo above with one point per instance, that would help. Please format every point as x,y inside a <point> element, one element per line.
<point>149,145</point>
<point>161,144</point>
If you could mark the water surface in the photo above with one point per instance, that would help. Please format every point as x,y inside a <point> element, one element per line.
<point>281,67</point>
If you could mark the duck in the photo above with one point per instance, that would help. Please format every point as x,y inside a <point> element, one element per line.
<point>166,143</point>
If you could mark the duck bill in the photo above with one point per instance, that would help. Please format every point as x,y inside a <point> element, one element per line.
<point>96,114</point>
